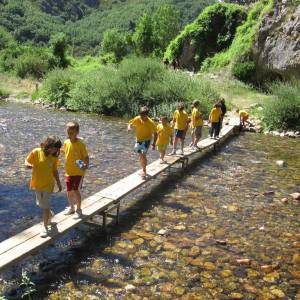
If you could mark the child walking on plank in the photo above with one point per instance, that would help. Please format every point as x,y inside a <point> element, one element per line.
<point>76,163</point>
<point>162,137</point>
<point>44,162</point>
<point>196,124</point>
<point>214,119</point>
<point>144,130</point>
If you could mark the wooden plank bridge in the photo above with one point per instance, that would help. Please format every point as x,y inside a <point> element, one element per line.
<point>28,242</point>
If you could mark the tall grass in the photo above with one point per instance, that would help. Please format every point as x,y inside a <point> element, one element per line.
<point>284,111</point>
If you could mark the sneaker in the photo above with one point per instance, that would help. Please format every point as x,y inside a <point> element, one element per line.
<point>180,152</point>
<point>173,152</point>
<point>69,211</point>
<point>161,161</point>
<point>44,233</point>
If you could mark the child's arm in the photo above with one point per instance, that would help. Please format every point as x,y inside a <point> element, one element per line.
<point>129,127</point>
<point>86,162</point>
<point>56,176</point>
<point>28,165</point>
<point>154,141</point>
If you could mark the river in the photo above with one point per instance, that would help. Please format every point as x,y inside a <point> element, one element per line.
<point>179,238</point>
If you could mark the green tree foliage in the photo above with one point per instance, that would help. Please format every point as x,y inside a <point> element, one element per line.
<point>115,43</point>
<point>143,36</point>
<point>239,54</point>
<point>59,47</point>
<point>210,33</point>
<point>6,39</point>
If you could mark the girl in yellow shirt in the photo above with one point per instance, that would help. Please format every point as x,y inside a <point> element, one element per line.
<point>196,124</point>
<point>44,162</point>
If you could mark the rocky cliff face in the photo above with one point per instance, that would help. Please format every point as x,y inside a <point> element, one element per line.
<point>277,48</point>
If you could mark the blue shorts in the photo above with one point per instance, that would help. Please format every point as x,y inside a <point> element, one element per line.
<point>142,147</point>
<point>180,133</point>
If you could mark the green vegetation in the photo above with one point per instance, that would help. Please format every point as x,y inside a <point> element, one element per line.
<point>211,32</point>
<point>3,93</point>
<point>83,21</point>
<point>239,54</point>
<point>284,111</point>
<point>121,90</point>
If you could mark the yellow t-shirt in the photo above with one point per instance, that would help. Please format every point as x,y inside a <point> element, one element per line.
<point>243,114</point>
<point>181,120</point>
<point>42,178</point>
<point>196,119</point>
<point>163,134</point>
<point>144,129</point>
<point>74,151</point>
<point>215,115</point>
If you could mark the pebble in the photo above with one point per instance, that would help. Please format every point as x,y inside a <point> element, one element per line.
<point>280,163</point>
<point>130,287</point>
<point>284,200</point>
<point>244,261</point>
<point>162,232</point>
<point>295,196</point>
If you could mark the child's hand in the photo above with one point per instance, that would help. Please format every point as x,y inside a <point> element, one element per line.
<point>153,146</point>
<point>29,167</point>
<point>85,167</point>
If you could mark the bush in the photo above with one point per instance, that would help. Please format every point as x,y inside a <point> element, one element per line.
<point>57,87</point>
<point>3,93</point>
<point>244,71</point>
<point>284,112</point>
<point>120,91</point>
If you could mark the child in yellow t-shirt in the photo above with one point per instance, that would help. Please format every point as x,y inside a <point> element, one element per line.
<point>76,163</point>
<point>214,119</point>
<point>144,130</point>
<point>181,123</point>
<point>163,136</point>
<point>44,162</point>
<point>196,124</point>
<point>244,116</point>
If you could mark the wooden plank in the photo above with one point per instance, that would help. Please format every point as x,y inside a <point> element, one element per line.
<point>23,236</point>
<point>36,242</point>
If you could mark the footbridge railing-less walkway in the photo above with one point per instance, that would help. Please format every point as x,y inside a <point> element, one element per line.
<point>28,242</point>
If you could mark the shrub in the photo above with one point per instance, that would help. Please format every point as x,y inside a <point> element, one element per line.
<point>284,111</point>
<point>57,87</point>
<point>211,32</point>
<point>3,93</point>
<point>244,71</point>
<point>121,90</point>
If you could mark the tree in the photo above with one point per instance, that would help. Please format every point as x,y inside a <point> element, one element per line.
<point>114,42</point>
<point>6,39</point>
<point>165,27</point>
<point>59,47</point>
<point>143,36</point>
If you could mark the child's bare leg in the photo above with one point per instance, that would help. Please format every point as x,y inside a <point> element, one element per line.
<point>77,196</point>
<point>182,144</point>
<point>143,161</point>
<point>71,199</point>
<point>162,154</point>
<point>46,216</point>
<point>175,143</point>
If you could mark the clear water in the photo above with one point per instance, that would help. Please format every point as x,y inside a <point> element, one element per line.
<point>225,207</point>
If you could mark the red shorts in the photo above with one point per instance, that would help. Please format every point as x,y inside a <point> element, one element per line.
<point>73,182</point>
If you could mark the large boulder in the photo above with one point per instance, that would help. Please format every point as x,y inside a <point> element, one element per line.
<point>276,51</point>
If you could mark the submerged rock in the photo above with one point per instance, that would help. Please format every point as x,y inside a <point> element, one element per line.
<point>295,196</point>
<point>281,163</point>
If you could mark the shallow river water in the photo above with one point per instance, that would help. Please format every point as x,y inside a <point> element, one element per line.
<point>180,238</point>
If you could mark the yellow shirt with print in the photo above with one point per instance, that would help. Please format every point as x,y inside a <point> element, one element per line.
<point>143,129</point>
<point>181,119</point>
<point>164,133</point>
<point>43,169</point>
<point>74,151</point>
<point>196,119</point>
<point>215,115</point>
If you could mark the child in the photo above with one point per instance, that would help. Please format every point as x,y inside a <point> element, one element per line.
<point>244,116</point>
<point>162,137</point>
<point>181,121</point>
<point>196,124</point>
<point>144,129</point>
<point>224,111</point>
<point>76,162</point>
<point>214,119</point>
<point>44,162</point>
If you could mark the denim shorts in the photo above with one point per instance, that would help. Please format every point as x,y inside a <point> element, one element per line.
<point>142,147</point>
<point>180,133</point>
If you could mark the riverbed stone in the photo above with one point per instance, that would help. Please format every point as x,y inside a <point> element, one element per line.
<point>295,196</point>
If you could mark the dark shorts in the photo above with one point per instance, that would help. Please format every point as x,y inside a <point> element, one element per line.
<point>73,182</point>
<point>180,133</point>
<point>142,147</point>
